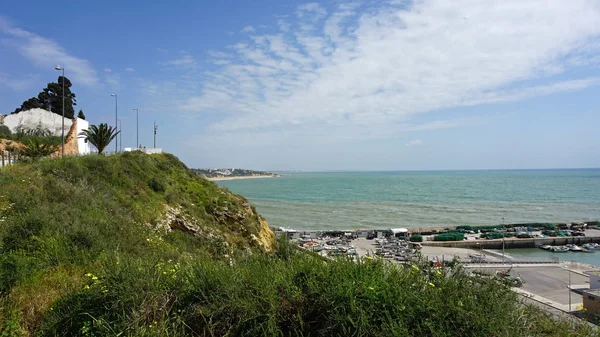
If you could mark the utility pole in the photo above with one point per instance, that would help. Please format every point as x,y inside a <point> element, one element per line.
<point>503,235</point>
<point>116,118</point>
<point>137,127</point>
<point>155,127</point>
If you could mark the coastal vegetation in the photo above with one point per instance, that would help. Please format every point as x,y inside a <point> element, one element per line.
<point>139,245</point>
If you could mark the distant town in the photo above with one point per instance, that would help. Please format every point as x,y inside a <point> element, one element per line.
<point>231,173</point>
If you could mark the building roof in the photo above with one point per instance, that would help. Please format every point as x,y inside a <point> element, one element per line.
<point>592,292</point>
<point>398,230</point>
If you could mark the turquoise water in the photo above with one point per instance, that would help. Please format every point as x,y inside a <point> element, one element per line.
<point>420,199</point>
<point>544,255</point>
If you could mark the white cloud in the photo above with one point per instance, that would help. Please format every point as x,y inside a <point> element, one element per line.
<point>19,83</point>
<point>185,60</point>
<point>248,29</point>
<point>381,66</point>
<point>369,72</point>
<point>45,53</point>
<point>414,142</point>
<point>107,70</point>
<point>129,70</point>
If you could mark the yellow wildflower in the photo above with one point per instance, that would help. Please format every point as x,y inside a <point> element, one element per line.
<point>431,284</point>
<point>415,267</point>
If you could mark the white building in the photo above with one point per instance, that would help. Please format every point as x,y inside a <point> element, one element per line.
<point>46,120</point>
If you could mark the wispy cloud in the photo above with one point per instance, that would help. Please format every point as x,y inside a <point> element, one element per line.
<point>248,29</point>
<point>129,70</point>
<point>46,53</point>
<point>20,83</point>
<point>185,60</point>
<point>107,70</point>
<point>414,142</point>
<point>372,66</point>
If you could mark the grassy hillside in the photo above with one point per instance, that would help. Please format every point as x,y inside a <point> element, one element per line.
<point>138,245</point>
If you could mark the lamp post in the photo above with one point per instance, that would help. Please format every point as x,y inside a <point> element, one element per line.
<point>58,67</point>
<point>116,116</point>
<point>120,128</point>
<point>137,127</point>
<point>503,235</point>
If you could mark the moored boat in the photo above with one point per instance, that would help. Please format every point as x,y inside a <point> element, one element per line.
<point>546,247</point>
<point>560,249</point>
<point>574,248</point>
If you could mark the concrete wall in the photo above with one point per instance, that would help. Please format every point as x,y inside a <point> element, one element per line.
<point>594,281</point>
<point>33,118</point>
<point>514,243</point>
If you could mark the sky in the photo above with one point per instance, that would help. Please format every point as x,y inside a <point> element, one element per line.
<point>317,86</point>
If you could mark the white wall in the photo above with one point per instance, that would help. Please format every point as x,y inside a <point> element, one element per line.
<point>33,118</point>
<point>82,145</point>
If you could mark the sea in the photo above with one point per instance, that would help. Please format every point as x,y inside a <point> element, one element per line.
<point>418,199</point>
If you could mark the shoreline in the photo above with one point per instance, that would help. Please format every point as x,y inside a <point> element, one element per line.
<point>239,178</point>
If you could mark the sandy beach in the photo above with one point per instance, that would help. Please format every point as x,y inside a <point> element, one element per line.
<point>240,177</point>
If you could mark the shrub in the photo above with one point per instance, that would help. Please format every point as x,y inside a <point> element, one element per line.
<point>156,185</point>
<point>416,238</point>
<point>449,236</point>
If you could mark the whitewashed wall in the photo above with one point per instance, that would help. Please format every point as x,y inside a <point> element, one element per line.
<point>82,146</point>
<point>33,118</point>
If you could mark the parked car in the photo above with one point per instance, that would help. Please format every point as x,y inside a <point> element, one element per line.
<point>576,233</point>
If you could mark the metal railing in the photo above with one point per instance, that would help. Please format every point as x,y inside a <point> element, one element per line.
<point>8,158</point>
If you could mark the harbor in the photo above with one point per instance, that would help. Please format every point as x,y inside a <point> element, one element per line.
<point>549,278</point>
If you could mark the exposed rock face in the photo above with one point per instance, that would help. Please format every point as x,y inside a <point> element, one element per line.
<point>242,222</point>
<point>37,118</point>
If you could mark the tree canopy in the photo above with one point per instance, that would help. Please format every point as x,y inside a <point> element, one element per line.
<point>80,114</point>
<point>51,99</point>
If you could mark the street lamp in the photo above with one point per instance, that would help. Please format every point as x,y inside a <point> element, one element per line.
<point>119,137</point>
<point>116,100</point>
<point>568,269</point>
<point>503,235</point>
<point>137,127</point>
<point>58,67</point>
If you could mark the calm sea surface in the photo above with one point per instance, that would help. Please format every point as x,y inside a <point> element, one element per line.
<point>420,199</point>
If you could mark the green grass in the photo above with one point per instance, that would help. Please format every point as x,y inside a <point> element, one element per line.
<point>80,255</point>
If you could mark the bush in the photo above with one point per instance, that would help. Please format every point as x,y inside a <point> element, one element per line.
<point>416,238</point>
<point>156,185</point>
<point>449,236</point>
<point>4,131</point>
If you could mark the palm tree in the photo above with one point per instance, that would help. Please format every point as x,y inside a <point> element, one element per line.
<point>99,136</point>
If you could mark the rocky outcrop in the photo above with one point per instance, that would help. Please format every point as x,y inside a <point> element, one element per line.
<point>245,222</point>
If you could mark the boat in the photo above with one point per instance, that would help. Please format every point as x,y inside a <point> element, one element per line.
<point>546,247</point>
<point>590,246</point>
<point>574,248</point>
<point>560,249</point>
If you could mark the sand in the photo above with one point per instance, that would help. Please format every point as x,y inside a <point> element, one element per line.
<point>237,178</point>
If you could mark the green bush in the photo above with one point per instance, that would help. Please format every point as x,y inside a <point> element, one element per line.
<point>5,131</point>
<point>416,238</point>
<point>449,236</point>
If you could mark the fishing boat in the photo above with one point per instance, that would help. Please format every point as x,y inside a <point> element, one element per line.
<point>560,249</point>
<point>574,248</point>
<point>590,246</point>
<point>546,247</point>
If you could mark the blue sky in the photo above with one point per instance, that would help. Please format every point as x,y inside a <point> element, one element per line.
<point>291,85</point>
